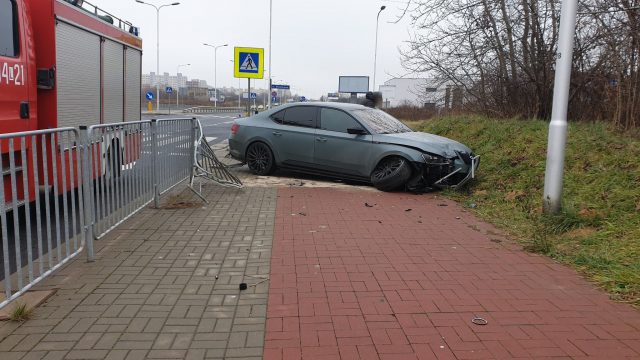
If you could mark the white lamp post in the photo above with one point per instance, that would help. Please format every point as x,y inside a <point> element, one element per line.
<point>558,125</point>
<point>215,71</point>
<point>158,44</point>
<point>178,89</point>
<point>270,23</point>
<point>375,53</point>
<point>239,89</point>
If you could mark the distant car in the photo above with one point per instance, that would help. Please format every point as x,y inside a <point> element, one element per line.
<point>260,107</point>
<point>351,142</point>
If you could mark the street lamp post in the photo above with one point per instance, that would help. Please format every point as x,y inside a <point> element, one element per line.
<point>215,71</point>
<point>178,89</point>
<point>239,89</point>
<point>553,180</point>
<point>375,54</point>
<point>158,45</point>
<point>270,24</point>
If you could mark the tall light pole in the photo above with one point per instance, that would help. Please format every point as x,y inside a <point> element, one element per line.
<point>158,45</point>
<point>178,89</point>
<point>375,53</point>
<point>558,125</point>
<point>215,71</point>
<point>239,88</point>
<point>270,23</point>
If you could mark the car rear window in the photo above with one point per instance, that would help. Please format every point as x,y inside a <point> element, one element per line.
<point>9,29</point>
<point>304,116</point>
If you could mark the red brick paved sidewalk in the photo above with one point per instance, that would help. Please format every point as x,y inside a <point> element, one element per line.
<point>356,282</point>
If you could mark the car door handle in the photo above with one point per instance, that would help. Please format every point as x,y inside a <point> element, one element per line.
<point>321,139</point>
<point>277,133</point>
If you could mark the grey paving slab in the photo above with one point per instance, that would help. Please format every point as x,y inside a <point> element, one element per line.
<point>165,285</point>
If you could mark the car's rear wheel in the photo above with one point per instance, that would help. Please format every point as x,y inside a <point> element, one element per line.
<point>259,158</point>
<point>391,173</point>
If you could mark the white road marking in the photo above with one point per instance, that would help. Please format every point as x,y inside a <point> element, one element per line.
<point>216,117</point>
<point>218,124</point>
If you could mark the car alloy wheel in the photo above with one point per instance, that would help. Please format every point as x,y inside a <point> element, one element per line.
<point>260,159</point>
<point>391,173</point>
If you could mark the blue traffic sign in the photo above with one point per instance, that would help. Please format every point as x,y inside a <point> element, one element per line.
<point>250,63</point>
<point>169,90</point>
<point>274,99</point>
<point>149,95</point>
<point>253,95</point>
<point>280,87</point>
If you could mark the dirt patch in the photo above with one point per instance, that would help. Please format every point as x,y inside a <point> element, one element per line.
<point>283,178</point>
<point>180,205</point>
<point>176,203</point>
<point>32,299</point>
<point>294,180</point>
<point>581,233</point>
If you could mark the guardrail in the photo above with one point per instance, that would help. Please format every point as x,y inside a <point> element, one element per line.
<point>211,109</point>
<point>64,187</point>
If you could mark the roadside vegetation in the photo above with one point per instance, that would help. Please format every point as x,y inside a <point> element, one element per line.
<point>20,312</point>
<point>598,232</point>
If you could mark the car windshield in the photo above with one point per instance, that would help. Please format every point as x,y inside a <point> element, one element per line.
<point>381,122</point>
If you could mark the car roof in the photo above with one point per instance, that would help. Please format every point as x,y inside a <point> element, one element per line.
<point>334,105</point>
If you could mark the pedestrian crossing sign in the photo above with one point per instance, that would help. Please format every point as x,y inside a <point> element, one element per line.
<point>249,63</point>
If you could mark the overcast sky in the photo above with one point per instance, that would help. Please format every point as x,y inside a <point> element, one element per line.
<point>314,41</point>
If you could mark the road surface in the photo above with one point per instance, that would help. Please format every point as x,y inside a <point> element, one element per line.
<point>216,127</point>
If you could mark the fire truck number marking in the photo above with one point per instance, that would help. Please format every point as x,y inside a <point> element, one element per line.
<point>12,74</point>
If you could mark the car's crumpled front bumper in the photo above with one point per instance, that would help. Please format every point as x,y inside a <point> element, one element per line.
<point>451,173</point>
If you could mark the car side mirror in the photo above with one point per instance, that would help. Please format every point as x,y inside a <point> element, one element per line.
<point>357,131</point>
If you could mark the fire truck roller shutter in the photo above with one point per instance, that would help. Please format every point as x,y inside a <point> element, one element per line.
<point>133,102</point>
<point>113,80</point>
<point>78,76</point>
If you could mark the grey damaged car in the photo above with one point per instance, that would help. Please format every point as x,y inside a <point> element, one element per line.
<point>350,142</point>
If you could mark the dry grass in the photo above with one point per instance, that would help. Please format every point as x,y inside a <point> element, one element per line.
<point>20,312</point>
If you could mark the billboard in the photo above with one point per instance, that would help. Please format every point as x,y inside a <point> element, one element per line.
<point>353,84</point>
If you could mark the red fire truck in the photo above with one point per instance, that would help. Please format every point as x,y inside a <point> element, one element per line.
<point>65,63</point>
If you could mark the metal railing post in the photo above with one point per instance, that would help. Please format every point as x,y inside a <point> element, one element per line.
<point>194,138</point>
<point>85,148</point>
<point>154,161</point>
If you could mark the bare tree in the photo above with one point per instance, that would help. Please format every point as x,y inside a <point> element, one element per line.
<point>502,52</point>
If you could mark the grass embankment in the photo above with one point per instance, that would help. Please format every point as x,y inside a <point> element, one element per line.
<point>597,233</point>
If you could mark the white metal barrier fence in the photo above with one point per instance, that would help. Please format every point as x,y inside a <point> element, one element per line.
<point>41,206</point>
<point>64,187</point>
<point>175,148</point>
<point>140,161</point>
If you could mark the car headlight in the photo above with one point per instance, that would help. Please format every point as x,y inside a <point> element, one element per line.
<point>434,159</point>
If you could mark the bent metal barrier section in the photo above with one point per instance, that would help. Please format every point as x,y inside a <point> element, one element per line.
<point>64,187</point>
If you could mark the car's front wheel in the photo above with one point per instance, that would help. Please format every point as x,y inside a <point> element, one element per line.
<point>391,173</point>
<point>259,158</point>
